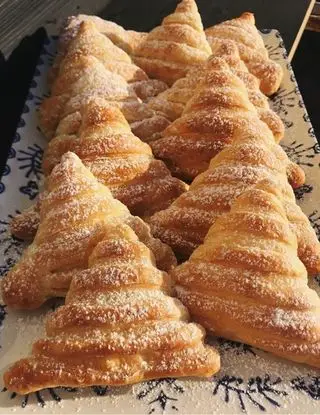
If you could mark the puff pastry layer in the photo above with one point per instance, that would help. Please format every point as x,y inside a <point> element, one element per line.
<point>73,215</point>
<point>85,37</point>
<point>218,113</point>
<point>237,168</point>
<point>116,157</point>
<point>101,137</point>
<point>119,324</point>
<point>243,32</point>
<point>246,282</point>
<point>92,67</point>
<point>170,50</point>
<point>172,101</point>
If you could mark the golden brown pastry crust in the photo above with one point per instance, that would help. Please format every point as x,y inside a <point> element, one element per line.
<point>25,224</point>
<point>119,325</point>
<point>86,78</point>
<point>89,41</point>
<point>218,112</point>
<point>170,50</point>
<point>127,40</point>
<point>246,283</point>
<point>94,66</point>
<point>101,137</point>
<point>118,159</point>
<point>243,32</point>
<point>36,373</point>
<point>172,101</point>
<point>73,216</point>
<point>89,35</point>
<point>237,168</point>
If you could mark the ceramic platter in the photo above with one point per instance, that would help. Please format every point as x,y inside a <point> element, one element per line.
<point>249,380</point>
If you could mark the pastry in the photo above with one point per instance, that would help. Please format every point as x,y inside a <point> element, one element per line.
<point>243,32</point>
<point>73,216</point>
<point>238,167</point>
<point>102,139</point>
<point>170,50</point>
<point>218,112</point>
<point>246,282</point>
<point>119,324</point>
<point>24,225</point>
<point>172,101</point>
<point>117,158</point>
<point>127,40</point>
<point>87,77</point>
<point>88,41</point>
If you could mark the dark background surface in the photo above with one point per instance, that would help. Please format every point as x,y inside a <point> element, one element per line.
<point>142,15</point>
<point>306,65</point>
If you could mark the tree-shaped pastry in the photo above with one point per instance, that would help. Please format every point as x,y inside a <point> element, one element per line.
<point>89,41</point>
<point>117,158</point>
<point>127,40</point>
<point>172,101</point>
<point>218,113</point>
<point>170,50</point>
<point>237,168</point>
<point>84,77</point>
<point>243,32</point>
<point>73,216</point>
<point>246,282</point>
<point>119,324</point>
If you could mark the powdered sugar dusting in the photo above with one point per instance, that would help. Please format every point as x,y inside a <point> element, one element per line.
<point>179,44</point>
<point>243,33</point>
<point>245,371</point>
<point>96,67</point>
<point>217,114</point>
<point>121,320</point>
<point>172,101</point>
<point>247,273</point>
<point>118,159</point>
<point>237,168</point>
<point>76,213</point>
<point>90,42</point>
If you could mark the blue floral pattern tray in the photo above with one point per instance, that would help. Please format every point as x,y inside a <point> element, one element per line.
<point>250,380</point>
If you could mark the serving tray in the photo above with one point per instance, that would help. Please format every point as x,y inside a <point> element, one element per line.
<point>250,380</point>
